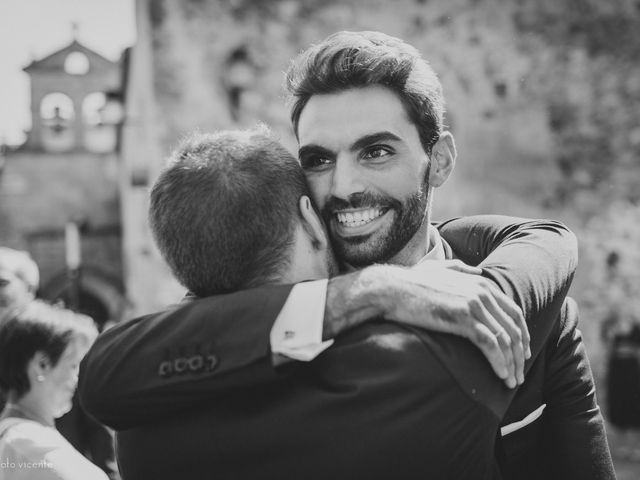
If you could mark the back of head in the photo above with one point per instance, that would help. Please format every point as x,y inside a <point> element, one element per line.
<point>223,212</point>
<point>38,328</point>
<point>347,60</point>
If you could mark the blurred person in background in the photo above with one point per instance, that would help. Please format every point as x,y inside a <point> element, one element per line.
<point>40,351</point>
<point>19,281</point>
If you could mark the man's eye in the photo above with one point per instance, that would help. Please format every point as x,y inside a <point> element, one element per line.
<point>314,162</point>
<point>3,282</point>
<point>376,152</point>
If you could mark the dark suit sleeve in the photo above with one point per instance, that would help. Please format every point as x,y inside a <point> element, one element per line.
<point>574,431</point>
<point>155,365</point>
<point>534,264</point>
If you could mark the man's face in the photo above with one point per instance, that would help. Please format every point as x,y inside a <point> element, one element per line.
<point>367,172</point>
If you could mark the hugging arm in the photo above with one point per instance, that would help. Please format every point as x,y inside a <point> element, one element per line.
<point>529,261</point>
<point>534,264</point>
<point>152,366</point>
<point>149,367</point>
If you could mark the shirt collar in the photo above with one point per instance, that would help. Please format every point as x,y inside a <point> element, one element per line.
<point>436,249</point>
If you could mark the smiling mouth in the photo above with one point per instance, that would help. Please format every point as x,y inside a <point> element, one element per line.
<point>358,218</point>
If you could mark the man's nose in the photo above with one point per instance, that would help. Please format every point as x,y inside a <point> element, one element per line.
<point>347,178</point>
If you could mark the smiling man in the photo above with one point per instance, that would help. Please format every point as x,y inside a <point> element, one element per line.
<point>368,114</point>
<point>370,175</point>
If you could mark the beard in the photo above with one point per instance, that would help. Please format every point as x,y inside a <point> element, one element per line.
<point>409,214</point>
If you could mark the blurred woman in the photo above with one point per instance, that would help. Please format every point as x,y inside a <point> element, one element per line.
<point>40,353</point>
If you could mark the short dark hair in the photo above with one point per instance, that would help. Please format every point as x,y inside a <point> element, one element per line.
<point>347,60</point>
<point>40,327</point>
<point>223,212</point>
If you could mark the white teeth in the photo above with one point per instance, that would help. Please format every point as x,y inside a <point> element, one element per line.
<point>356,219</point>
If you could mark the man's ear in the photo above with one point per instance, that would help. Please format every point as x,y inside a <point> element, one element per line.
<point>443,159</point>
<point>312,223</point>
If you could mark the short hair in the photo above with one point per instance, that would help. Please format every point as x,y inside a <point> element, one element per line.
<point>40,327</point>
<point>22,265</point>
<point>223,212</point>
<point>347,60</point>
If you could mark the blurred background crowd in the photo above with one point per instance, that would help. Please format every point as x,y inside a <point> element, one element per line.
<point>543,99</point>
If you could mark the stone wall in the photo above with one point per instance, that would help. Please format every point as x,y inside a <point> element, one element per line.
<point>40,193</point>
<point>543,100</point>
<point>44,191</point>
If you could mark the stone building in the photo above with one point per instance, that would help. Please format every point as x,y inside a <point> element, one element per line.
<point>59,191</point>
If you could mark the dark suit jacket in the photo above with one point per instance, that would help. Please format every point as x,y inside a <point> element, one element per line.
<point>378,404</point>
<point>161,365</point>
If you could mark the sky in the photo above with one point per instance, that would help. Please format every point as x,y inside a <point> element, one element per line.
<point>32,29</point>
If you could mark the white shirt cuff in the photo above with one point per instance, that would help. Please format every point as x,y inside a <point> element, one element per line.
<point>297,332</point>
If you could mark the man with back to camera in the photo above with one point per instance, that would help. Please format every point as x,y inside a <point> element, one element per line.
<point>331,155</point>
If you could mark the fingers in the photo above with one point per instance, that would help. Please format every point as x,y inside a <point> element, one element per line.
<point>514,312</point>
<point>510,329</point>
<point>500,338</point>
<point>505,303</point>
<point>486,341</point>
<point>471,306</point>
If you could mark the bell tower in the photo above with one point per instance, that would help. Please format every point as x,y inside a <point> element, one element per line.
<point>70,90</point>
<point>66,179</point>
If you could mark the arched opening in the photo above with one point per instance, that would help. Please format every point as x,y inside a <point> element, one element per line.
<point>99,135</point>
<point>87,303</point>
<point>57,106</point>
<point>92,107</point>
<point>57,114</point>
<point>90,292</point>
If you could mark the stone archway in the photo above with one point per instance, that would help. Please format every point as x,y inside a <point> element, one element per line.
<point>92,292</point>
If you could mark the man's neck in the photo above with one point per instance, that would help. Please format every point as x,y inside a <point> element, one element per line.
<point>415,250</point>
